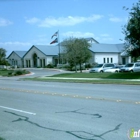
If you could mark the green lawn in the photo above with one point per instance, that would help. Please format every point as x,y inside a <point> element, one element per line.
<point>102,81</point>
<point>107,78</point>
<point>5,72</point>
<point>100,75</point>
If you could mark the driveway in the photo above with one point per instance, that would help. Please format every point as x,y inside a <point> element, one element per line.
<point>37,72</point>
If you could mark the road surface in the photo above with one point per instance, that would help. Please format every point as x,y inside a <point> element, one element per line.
<point>67,111</point>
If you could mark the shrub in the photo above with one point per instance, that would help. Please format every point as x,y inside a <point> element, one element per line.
<point>10,73</point>
<point>67,67</point>
<point>88,66</point>
<point>50,66</point>
<point>78,67</point>
<point>19,72</point>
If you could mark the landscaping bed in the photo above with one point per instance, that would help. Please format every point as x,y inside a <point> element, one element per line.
<point>5,72</point>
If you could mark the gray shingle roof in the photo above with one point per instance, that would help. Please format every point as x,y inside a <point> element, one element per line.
<point>48,49</point>
<point>112,48</point>
<point>20,53</point>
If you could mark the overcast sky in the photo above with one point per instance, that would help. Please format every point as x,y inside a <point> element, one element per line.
<point>24,23</point>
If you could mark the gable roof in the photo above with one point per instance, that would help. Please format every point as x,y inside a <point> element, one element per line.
<point>111,48</point>
<point>48,50</point>
<point>19,53</point>
<point>91,39</point>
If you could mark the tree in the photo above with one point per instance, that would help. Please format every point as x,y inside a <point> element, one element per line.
<point>132,31</point>
<point>2,56</point>
<point>76,51</point>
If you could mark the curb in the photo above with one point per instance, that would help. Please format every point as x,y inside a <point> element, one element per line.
<point>87,78</point>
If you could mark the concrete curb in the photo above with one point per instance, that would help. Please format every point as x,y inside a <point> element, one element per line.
<point>87,78</point>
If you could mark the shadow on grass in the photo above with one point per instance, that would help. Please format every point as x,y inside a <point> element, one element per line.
<point>126,75</point>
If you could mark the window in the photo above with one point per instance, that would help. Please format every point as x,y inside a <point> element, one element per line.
<point>41,63</point>
<point>29,63</point>
<point>111,59</point>
<point>107,60</point>
<point>99,66</point>
<point>137,65</point>
<point>109,65</point>
<point>129,65</point>
<point>12,62</point>
<point>103,60</point>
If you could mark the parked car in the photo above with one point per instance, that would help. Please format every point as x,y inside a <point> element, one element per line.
<point>131,67</point>
<point>114,69</point>
<point>102,67</point>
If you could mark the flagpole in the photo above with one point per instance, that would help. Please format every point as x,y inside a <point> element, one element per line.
<point>57,40</point>
<point>58,48</point>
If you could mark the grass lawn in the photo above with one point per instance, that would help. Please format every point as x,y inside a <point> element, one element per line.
<point>104,81</point>
<point>5,72</point>
<point>107,78</point>
<point>100,75</point>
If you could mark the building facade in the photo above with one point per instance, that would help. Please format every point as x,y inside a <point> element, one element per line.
<point>16,58</point>
<point>42,55</point>
<point>109,53</point>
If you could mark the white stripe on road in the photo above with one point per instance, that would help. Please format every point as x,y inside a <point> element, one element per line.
<point>17,110</point>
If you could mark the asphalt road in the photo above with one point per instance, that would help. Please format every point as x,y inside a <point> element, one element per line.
<point>67,111</point>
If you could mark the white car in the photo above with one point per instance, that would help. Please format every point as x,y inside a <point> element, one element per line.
<point>131,67</point>
<point>102,67</point>
<point>113,70</point>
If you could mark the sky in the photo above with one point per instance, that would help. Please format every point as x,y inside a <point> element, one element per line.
<point>24,23</point>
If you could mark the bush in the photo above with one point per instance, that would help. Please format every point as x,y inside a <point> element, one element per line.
<point>67,67</point>
<point>50,66</point>
<point>19,72</point>
<point>78,67</point>
<point>94,64</point>
<point>4,62</point>
<point>10,73</point>
<point>88,66</point>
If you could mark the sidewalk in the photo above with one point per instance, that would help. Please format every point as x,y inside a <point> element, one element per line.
<point>45,77</point>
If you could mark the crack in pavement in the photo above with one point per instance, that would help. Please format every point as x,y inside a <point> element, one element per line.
<point>78,134</point>
<point>78,112</point>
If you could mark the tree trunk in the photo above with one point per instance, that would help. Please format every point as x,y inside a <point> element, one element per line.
<point>75,68</point>
<point>80,67</point>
